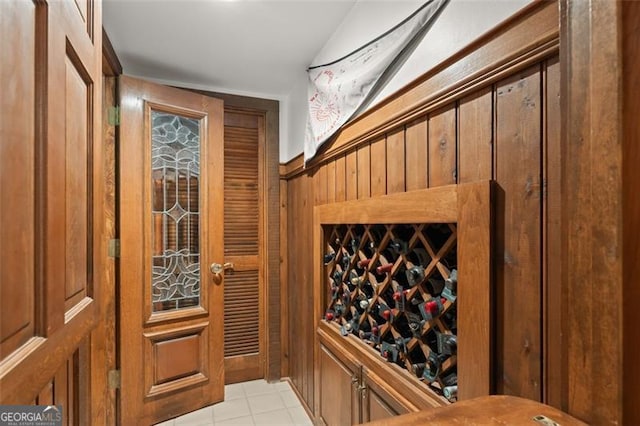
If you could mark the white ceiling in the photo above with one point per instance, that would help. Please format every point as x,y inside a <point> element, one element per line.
<point>255,47</point>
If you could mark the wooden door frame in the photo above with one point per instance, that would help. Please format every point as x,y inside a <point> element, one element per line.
<point>102,353</point>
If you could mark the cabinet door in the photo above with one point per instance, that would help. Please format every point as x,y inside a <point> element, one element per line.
<point>339,380</point>
<point>379,401</point>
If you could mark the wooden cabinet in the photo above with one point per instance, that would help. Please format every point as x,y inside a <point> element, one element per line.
<point>391,342</point>
<point>351,393</point>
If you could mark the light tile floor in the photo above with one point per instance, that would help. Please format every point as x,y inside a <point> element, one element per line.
<point>250,403</point>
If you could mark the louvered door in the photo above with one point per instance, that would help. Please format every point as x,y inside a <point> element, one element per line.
<point>243,318</point>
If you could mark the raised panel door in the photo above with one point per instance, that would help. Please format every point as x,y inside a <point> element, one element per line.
<point>172,225</point>
<point>51,228</point>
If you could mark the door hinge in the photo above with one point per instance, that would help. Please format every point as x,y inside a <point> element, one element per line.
<point>114,379</point>
<point>114,116</point>
<point>114,248</point>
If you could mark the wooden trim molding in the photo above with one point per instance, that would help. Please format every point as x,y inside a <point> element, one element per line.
<point>524,39</point>
<point>111,65</point>
<point>293,167</point>
<point>631,209</point>
<point>592,226</point>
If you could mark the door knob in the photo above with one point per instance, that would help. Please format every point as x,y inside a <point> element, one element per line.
<point>217,269</point>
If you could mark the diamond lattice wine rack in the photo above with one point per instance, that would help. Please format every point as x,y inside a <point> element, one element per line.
<point>395,287</point>
<point>403,284</point>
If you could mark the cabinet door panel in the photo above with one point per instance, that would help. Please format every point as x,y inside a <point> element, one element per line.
<point>379,401</point>
<point>377,409</point>
<point>338,400</point>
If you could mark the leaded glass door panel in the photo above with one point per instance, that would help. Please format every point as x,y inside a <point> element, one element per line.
<point>175,190</point>
<point>172,214</point>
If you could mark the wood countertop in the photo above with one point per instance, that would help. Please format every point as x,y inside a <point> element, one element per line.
<point>486,410</point>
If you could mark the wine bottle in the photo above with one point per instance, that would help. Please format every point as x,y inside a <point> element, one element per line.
<point>355,279</point>
<point>329,315</point>
<point>355,245</point>
<point>431,309</point>
<point>399,246</point>
<point>401,344</point>
<point>415,275</point>
<point>434,286</point>
<point>328,258</point>
<point>389,351</point>
<point>432,368</point>
<point>450,392</point>
<point>363,263</point>
<point>384,269</point>
<point>447,343</point>
<point>451,286</point>
<point>346,261</point>
<point>415,323</point>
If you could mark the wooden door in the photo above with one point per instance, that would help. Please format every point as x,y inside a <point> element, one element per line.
<point>171,224</point>
<point>244,322</point>
<point>52,244</point>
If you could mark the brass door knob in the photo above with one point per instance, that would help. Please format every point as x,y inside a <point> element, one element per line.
<point>217,269</point>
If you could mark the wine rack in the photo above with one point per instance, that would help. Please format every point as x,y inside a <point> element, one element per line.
<point>394,286</point>
<point>402,291</point>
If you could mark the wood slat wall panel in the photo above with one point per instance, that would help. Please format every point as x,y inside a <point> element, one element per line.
<point>352,175</point>
<point>341,184</point>
<point>518,234</point>
<point>552,212</point>
<point>364,171</point>
<point>305,309</point>
<point>379,167</point>
<point>416,149</point>
<point>300,287</point>
<point>395,162</point>
<point>293,273</point>
<point>320,186</point>
<point>331,182</point>
<point>284,278</point>
<point>442,147</point>
<point>475,139</point>
<point>517,168</point>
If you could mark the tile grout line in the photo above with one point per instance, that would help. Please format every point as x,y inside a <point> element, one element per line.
<point>271,389</point>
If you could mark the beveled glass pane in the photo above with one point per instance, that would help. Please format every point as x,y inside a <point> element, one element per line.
<point>175,187</point>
